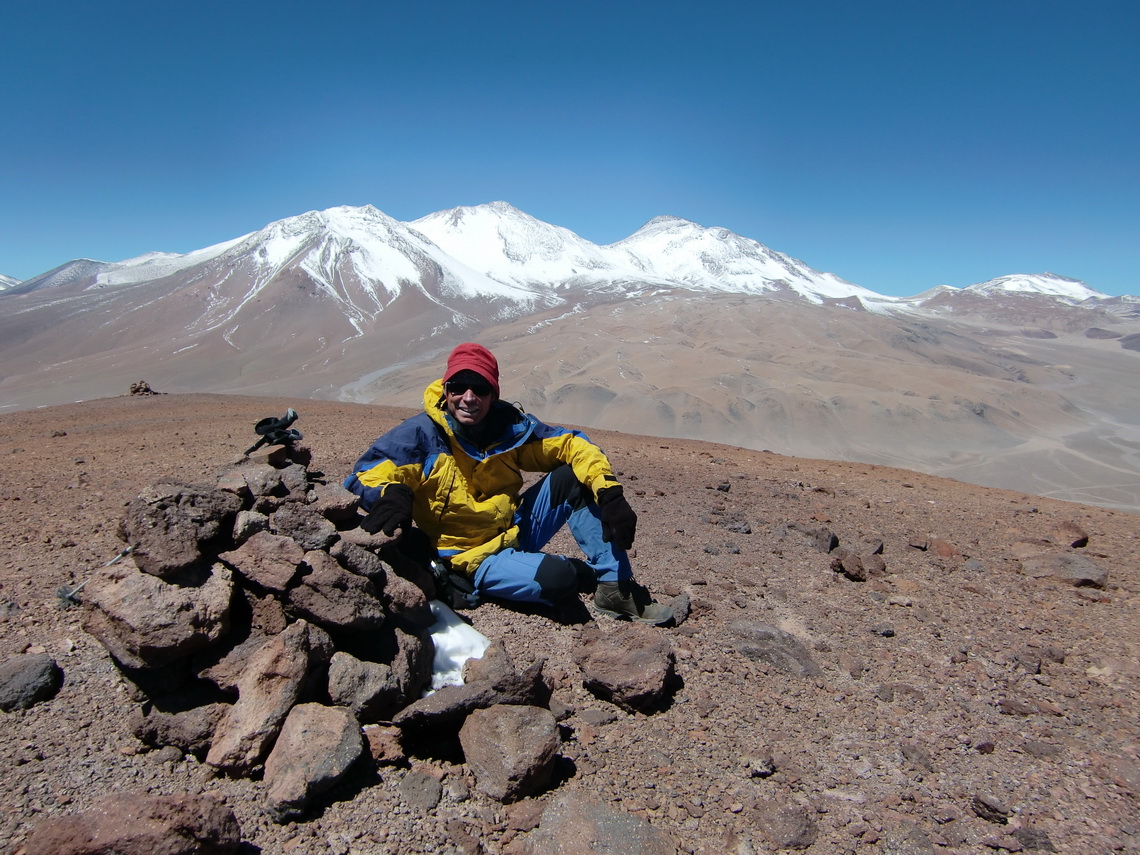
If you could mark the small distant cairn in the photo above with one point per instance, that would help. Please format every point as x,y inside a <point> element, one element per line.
<point>141,387</point>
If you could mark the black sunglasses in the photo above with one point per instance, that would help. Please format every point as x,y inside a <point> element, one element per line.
<point>460,387</point>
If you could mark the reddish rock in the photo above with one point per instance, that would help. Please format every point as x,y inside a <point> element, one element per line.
<point>1068,533</point>
<point>335,598</point>
<point>169,523</point>
<point>141,824</point>
<point>270,560</point>
<point>849,564</point>
<point>145,622</point>
<point>316,748</point>
<point>575,822</point>
<point>511,750</point>
<point>385,744</point>
<point>270,685</point>
<point>630,666</point>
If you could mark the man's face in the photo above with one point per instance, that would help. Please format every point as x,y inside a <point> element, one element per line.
<point>468,397</point>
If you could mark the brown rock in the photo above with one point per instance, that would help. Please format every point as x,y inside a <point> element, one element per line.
<point>141,824</point>
<point>630,666</point>
<point>188,730</point>
<point>817,537</point>
<point>906,839</point>
<point>225,670</point>
<point>990,808</point>
<point>270,560</point>
<point>306,526</point>
<point>917,755</point>
<point>335,503</point>
<point>247,524</point>
<point>874,564</point>
<point>786,825</point>
<point>576,822</point>
<point>361,561</point>
<point>316,748</point>
<point>445,710</point>
<point>849,564</point>
<point>385,744</point>
<point>1070,534</point>
<point>419,790</point>
<point>511,750</point>
<point>335,598</point>
<point>145,622</point>
<point>943,549</point>
<point>406,601</point>
<point>370,689</point>
<point>169,523</point>
<point>270,685</point>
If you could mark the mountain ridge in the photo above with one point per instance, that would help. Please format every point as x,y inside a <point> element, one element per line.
<point>505,211</point>
<point>679,330</point>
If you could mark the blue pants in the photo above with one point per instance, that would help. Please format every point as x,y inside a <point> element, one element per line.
<point>527,574</point>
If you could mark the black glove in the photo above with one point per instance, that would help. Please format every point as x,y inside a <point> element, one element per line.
<point>391,511</point>
<point>619,522</point>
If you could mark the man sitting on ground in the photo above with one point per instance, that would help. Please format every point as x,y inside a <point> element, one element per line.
<point>455,471</point>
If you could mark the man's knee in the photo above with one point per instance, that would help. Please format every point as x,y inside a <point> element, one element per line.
<point>560,578</point>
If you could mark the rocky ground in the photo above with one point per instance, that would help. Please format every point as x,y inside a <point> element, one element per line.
<point>959,692</point>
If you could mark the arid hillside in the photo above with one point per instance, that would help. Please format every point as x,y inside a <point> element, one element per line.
<point>873,660</point>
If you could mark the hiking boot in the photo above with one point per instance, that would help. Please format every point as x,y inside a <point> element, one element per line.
<point>626,600</point>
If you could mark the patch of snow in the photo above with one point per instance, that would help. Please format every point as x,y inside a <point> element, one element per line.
<point>455,641</point>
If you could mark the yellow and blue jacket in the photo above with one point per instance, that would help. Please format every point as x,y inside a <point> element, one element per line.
<point>467,496</point>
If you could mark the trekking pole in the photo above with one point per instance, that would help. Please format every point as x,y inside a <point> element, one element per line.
<point>68,598</point>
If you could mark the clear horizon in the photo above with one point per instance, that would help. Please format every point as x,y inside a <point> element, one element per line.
<point>897,145</point>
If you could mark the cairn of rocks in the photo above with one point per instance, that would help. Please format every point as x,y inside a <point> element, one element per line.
<point>267,634</point>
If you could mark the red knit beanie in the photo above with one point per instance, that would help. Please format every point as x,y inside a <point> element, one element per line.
<point>474,357</point>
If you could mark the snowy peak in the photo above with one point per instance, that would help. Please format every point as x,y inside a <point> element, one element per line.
<point>1048,284</point>
<point>346,247</point>
<point>75,272</point>
<point>7,282</point>
<point>667,252</point>
<point>506,244</point>
<point>718,259</point>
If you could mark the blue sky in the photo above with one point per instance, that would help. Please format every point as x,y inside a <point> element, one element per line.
<point>899,145</point>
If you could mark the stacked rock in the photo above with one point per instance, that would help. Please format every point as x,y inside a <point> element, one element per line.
<point>252,608</point>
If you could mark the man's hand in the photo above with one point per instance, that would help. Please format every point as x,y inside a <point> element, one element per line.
<point>393,510</point>
<point>619,522</point>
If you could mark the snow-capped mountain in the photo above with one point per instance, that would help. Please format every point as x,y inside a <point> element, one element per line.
<point>1017,299</point>
<point>509,245</point>
<point>1048,284</point>
<point>7,282</point>
<point>78,270</point>
<point>363,259</point>
<point>359,258</point>
<point>677,330</point>
<point>667,252</point>
<point>717,259</point>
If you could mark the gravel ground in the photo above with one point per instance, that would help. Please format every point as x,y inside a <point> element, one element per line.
<point>950,681</point>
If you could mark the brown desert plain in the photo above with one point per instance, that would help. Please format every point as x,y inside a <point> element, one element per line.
<point>961,700</point>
